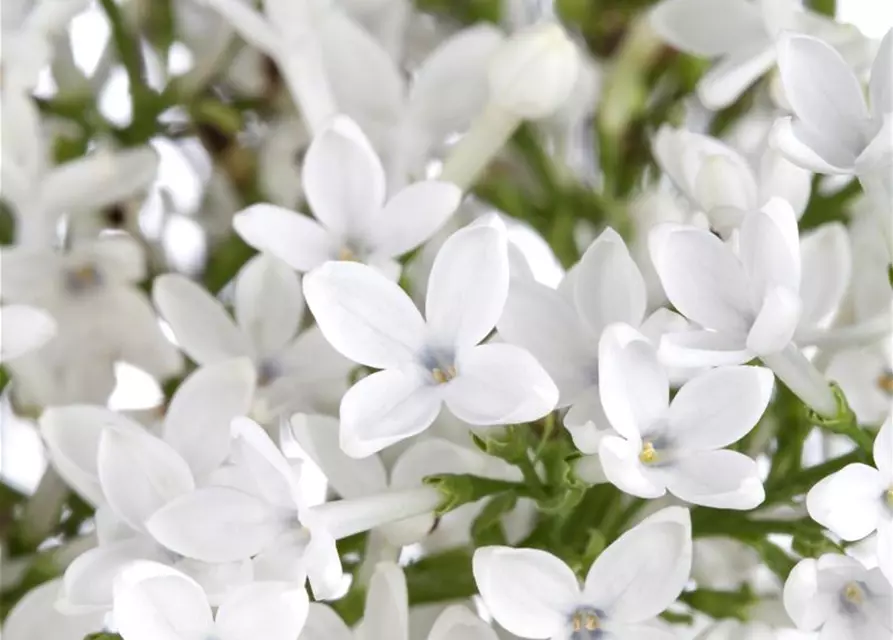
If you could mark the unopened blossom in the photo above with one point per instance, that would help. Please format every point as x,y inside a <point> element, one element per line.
<point>858,500</point>
<point>429,361</point>
<point>295,370</point>
<point>153,601</point>
<point>748,302</point>
<point>840,598</point>
<point>721,183</point>
<point>101,317</point>
<point>533,594</point>
<point>739,35</point>
<point>833,130</point>
<point>678,446</point>
<point>345,186</point>
<point>23,329</point>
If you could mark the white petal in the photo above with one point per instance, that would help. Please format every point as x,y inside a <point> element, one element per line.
<point>268,303</point>
<point>725,181</point>
<point>692,349</point>
<point>343,179</point>
<point>324,571</point>
<point>822,89</point>
<point>811,149</point>
<point>35,617</point>
<point>885,549</point>
<point>776,323</point>
<point>217,524</point>
<point>780,178</point>
<point>527,591</point>
<point>827,264</point>
<point>707,28</point>
<point>540,320</point>
<point>272,477</point>
<point>24,329</point>
<point>701,277</point>
<point>622,467</point>
<point>719,479</point>
<point>386,407</point>
<point>200,412</point>
<point>121,257</point>
<point>609,287</point>
<point>140,474</point>
<point>499,384</point>
<point>72,436</point>
<point>299,241</point>
<point>857,372</point>
<point>349,477</point>
<point>849,502</point>
<point>724,83</point>
<point>633,388</point>
<point>458,623</point>
<point>804,603</point>
<point>269,610</point>
<point>644,570</point>
<point>202,327</point>
<point>719,407</point>
<point>365,316</point>
<point>142,343</point>
<point>468,286</point>
<point>769,248</point>
<point>883,450</point>
<point>586,421</point>
<point>387,608</point>
<point>412,216</point>
<point>880,84</point>
<point>324,624</point>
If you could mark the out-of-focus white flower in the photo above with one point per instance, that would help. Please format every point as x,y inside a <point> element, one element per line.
<point>740,35</point>
<point>280,160</point>
<point>154,601</point>
<point>344,183</point>
<point>296,370</point>
<point>865,377</point>
<point>841,598</point>
<point>678,446</point>
<point>427,362</point>
<point>533,594</point>
<point>35,617</point>
<point>858,500</point>
<point>23,329</point>
<point>833,130</point>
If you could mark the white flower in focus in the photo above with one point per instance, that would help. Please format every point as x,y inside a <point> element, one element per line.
<point>153,601</point>
<point>23,329</point>
<point>428,361</point>
<point>296,370</point>
<point>344,183</point>
<point>858,500</point>
<point>535,595</point>
<point>678,446</point>
<point>720,182</point>
<point>833,130</point>
<point>740,36</point>
<point>840,597</point>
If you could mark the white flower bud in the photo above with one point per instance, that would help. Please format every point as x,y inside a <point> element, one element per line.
<point>533,72</point>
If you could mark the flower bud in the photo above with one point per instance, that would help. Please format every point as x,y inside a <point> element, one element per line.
<point>533,72</point>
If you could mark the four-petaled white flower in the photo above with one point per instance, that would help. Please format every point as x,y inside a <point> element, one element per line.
<point>833,130</point>
<point>678,445</point>
<point>858,500</point>
<point>153,601</point>
<point>428,361</point>
<point>344,183</point>
<point>840,597</point>
<point>535,595</point>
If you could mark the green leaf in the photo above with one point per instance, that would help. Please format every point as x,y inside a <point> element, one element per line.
<point>458,489</point>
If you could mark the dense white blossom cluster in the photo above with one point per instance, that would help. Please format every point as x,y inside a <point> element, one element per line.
<point>686,433</point>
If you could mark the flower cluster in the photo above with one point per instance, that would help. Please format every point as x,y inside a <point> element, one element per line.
<point>435,365</point>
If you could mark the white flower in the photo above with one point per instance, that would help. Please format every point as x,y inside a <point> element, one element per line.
<point>344,183</point>
<point>678,445</point>
<point>23,329</point>
<point>101,317</point>
<point>296,370</point>
<point>35,617</point>
<point>858,500</point>
<point>840,597</point>
<point>153,601</point>
<point>833,130</point>
<point>740,35</point>
<point>865,377</point>
<point>425,363</point>
<point>535,595</point>
<point>720,182</point>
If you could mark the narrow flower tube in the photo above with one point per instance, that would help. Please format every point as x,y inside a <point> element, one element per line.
<point>344,518</point>
<point>803,379</point>
<point>856,335</point>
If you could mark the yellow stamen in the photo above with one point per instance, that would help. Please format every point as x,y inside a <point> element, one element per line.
<point>853,593</point>
<point>888,497</point>
<point>885,382</point>
<point>592,622</point>
<point>443,375</point>
<point>648,453</point>
<point>346,254</point>
<point>577,622</point>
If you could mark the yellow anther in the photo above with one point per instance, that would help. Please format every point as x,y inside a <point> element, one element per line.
<point>853,593</point>
<point>885,382</point>
<point>888,496</point>
<point>577,622</point>
<point>648,453</point>
<point>346,254</point>
<point>443,375</point>
<point>592,622</point>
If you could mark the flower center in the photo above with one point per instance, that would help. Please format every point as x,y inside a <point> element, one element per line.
<point>648,455</point>
<point>885,382</point>
<point>347,254</point>
<point>82,278</point>
<point>853,594</point>
<point>888,497</point>
<point>267,371</point>
<point>586,624</point>
<point>443,375</point>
